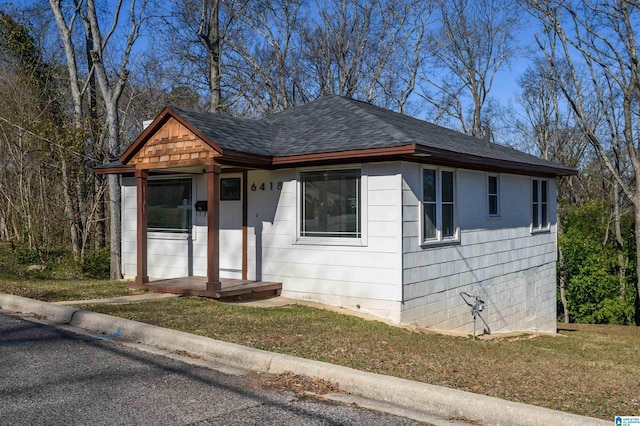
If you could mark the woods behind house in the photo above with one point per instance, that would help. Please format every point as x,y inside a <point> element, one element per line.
<point>78,78</point>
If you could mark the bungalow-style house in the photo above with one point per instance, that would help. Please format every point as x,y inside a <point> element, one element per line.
<point>347,204</point>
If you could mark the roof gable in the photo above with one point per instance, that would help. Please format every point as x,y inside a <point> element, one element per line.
<point>172,145</point>
<point>169,141</point>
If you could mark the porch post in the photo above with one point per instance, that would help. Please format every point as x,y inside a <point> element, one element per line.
<point>213,226</point>
<point>141,252</point>
<point>245,223</point>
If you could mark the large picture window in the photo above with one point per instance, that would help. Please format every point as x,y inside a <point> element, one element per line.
<point>438,205</point>
<point>539,205</point>
<point>330,204</point>
<point>169,205</point>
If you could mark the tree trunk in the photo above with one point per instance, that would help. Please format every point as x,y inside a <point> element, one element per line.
<point>216,95</point>
<point>562,278</point>
<point>70,209</point>
<point>622,261</point>
<point>637,235</point>
<point>116,225</point>
<point>209,32</point>
<point>113,125</point>
<point>99,216</point>
<point>563,281</point>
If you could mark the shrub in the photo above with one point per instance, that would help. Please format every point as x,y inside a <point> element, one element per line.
<point>97,263</point>
<point>597,289</point>
<point>27,256</point>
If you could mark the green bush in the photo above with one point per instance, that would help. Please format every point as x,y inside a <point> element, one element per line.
<point>597,290</point>
<point>96,263</point>
<point>27,256</point>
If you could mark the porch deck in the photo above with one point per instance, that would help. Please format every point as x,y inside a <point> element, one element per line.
<point>230,288</point>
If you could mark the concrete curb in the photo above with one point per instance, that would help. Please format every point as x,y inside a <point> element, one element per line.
<point>437,400</point>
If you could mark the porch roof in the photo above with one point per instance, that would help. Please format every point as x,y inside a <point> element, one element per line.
<point>336,129</point>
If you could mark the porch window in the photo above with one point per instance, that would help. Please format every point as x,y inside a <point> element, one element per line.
<point>169,205</point>
<point>438,205</point>
<point>230,189</point>
<point>330,204</point>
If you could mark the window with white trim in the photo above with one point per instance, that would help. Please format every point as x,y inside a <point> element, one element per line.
<point>539,205</point>
<point>169,205</point>
<point>438,205</point>
<point>330,204</point>
<point>493,195</point>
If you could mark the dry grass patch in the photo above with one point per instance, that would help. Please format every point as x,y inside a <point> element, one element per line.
<point>58,290</point>
<point>592,370</point>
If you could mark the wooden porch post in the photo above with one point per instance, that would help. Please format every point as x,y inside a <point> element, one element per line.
<point>141,252</point>
<point>213,227</point>
<point>245,223</point>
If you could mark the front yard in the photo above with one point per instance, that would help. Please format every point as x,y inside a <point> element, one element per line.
<point>591,370</point>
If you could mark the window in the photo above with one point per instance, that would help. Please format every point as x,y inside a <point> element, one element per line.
<point>438,202</point>
<point>169,205</point>
<point>493,187</point>
<point>330,204</point>
<point>230,189</point>
<point>539,205</point>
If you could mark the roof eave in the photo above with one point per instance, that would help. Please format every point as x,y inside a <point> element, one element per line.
<point>114,169</point>
<point>341,156</point>
<point>442,157</point>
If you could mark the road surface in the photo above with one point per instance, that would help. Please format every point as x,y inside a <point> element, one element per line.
<point>49,376</point>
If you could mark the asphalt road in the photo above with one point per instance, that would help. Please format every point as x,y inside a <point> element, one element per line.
<point>49,376</point>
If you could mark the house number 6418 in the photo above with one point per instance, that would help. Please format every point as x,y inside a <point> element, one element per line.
<point>266,186</point>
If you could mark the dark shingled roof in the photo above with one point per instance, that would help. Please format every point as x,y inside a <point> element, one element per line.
<point>237,134</point>
<point>337,124</point>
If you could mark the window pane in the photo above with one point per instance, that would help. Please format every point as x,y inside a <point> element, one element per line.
<point>429,185</point>
<point>330,204</point>
<point>447,187</point>
<point>493,185</point>
<point>534,190</point>
<point>230,189</point>
<point>493,205</point>
<point>543,186</point>
<point>429,230</point>
<point>536,222</point>
<point>545,218</point>
<point>447,220</point>
<point>169,205</point>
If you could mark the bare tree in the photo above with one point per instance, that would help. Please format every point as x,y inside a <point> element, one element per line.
<point>70,15</point>
<point>367,50</point>
<point>602,37</point>
<point>548,125</point>
<point>30,109</point>
<point>474,40</point>
<point>263,65</point>
<point>548,121</point>
<point>196,49</point>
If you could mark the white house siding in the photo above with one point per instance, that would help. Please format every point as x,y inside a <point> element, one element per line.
<point>366,277</point>
<point>499,259</point>
<point>168,255</point>
<point>129,227</point>
<point>230,233</point>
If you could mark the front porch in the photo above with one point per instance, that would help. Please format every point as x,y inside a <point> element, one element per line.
<point>229,288</point>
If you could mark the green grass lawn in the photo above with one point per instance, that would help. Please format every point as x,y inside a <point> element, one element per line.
<point>591,370</point>
<point>55,289</point>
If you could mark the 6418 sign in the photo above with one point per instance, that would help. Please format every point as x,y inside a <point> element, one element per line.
<point>266,186</point>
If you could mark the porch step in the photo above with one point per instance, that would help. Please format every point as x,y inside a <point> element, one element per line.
<point>231,289</point>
